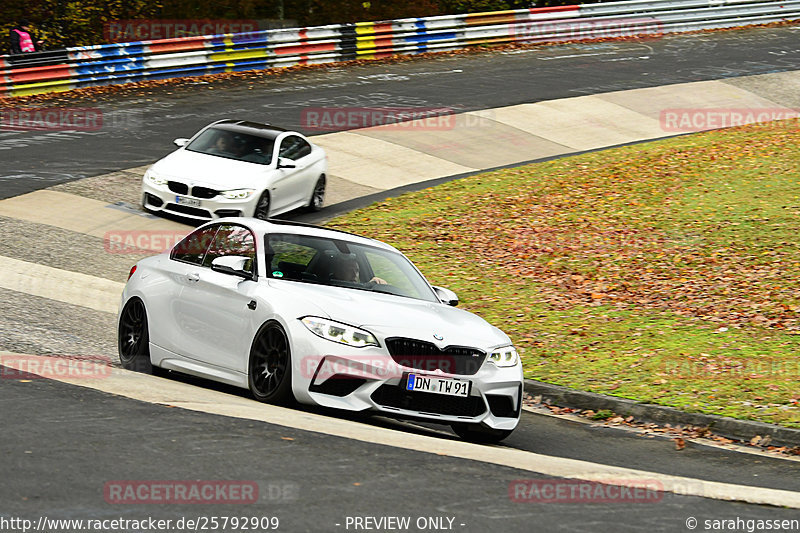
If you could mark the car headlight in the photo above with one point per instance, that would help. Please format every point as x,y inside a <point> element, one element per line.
<point>338,332</point>
<point>238,194</point>
<point>155,180</point>
<point>505,356</point>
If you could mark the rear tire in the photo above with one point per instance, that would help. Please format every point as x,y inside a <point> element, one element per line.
<point>133,338</point>
<point>480,434</point>
<point>269,369</point>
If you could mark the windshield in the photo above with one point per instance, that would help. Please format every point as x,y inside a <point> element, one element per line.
<point>340,263</point>
<point>233,145</point>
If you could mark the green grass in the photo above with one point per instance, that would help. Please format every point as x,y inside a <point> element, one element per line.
<point>665,272</point>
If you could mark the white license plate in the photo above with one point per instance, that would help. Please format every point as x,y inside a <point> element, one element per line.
<point>448,387</point>
<point>187,201</point>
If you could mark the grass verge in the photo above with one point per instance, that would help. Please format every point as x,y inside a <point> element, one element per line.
<point>665,272</point>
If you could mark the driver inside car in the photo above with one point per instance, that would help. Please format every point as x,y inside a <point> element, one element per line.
<point>347,269</point>
<point>225,145</point>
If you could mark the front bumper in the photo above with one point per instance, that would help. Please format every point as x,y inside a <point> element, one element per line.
<point>369,379</point>
<point>159,198</point>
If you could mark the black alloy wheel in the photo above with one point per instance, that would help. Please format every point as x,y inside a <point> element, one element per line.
<point>262,207</point>
<point>133,339</point>
<point>269,373</point>
<point>318,196</point>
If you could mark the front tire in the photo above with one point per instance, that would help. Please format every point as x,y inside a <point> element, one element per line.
<point>318,195</point>
<point>133,338</point>
<point>262,207</point>
<point>269,369</point>
<point>480,433</point>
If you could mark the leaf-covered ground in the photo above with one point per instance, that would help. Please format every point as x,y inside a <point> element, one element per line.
<point>665,272</point>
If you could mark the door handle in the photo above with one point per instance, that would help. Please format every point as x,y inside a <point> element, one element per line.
<point>194,277</point>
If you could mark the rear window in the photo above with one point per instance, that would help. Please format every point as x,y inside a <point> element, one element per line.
<point>192,249</point>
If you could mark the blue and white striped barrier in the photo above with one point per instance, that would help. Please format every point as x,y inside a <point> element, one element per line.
<point>107,64</point>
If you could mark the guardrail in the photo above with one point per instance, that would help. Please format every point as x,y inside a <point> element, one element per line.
<point>107,64</point>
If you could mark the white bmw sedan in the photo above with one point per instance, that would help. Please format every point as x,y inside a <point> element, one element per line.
<point>297,312</point>
<point>234,168</point>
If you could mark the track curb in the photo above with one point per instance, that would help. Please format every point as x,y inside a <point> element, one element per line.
<point>727,427</point>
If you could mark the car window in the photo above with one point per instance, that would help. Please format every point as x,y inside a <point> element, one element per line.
<point>231,239</point>
<point>192,249</point>
<point>289,259</point>
<point>346,264</point>
<point>233,145</point>
<point>388,271</point>
<point>293,147</point>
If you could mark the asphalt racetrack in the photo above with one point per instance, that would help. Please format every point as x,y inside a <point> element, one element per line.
<point>137,129</point>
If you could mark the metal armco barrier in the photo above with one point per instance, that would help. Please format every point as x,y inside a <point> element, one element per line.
<point>107,64</point>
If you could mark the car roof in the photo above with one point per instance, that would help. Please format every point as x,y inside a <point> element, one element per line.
<point>252,128</point>
<point>300,228</point>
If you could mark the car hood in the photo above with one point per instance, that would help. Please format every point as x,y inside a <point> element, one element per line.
<point>211,171</point>
<point>387,315</point>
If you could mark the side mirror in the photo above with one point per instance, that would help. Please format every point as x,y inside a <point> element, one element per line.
<point>286,163</point>
<point>233,264</point>
<point>446,296</point>
<point>180,142</point>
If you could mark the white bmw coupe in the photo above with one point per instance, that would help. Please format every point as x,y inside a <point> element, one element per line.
<point>298,312</point>
<point>234,168</point>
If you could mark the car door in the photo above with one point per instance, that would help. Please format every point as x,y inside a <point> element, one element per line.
<point>172,274</point>
<point>217,309</point>
<point>291,185</point>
